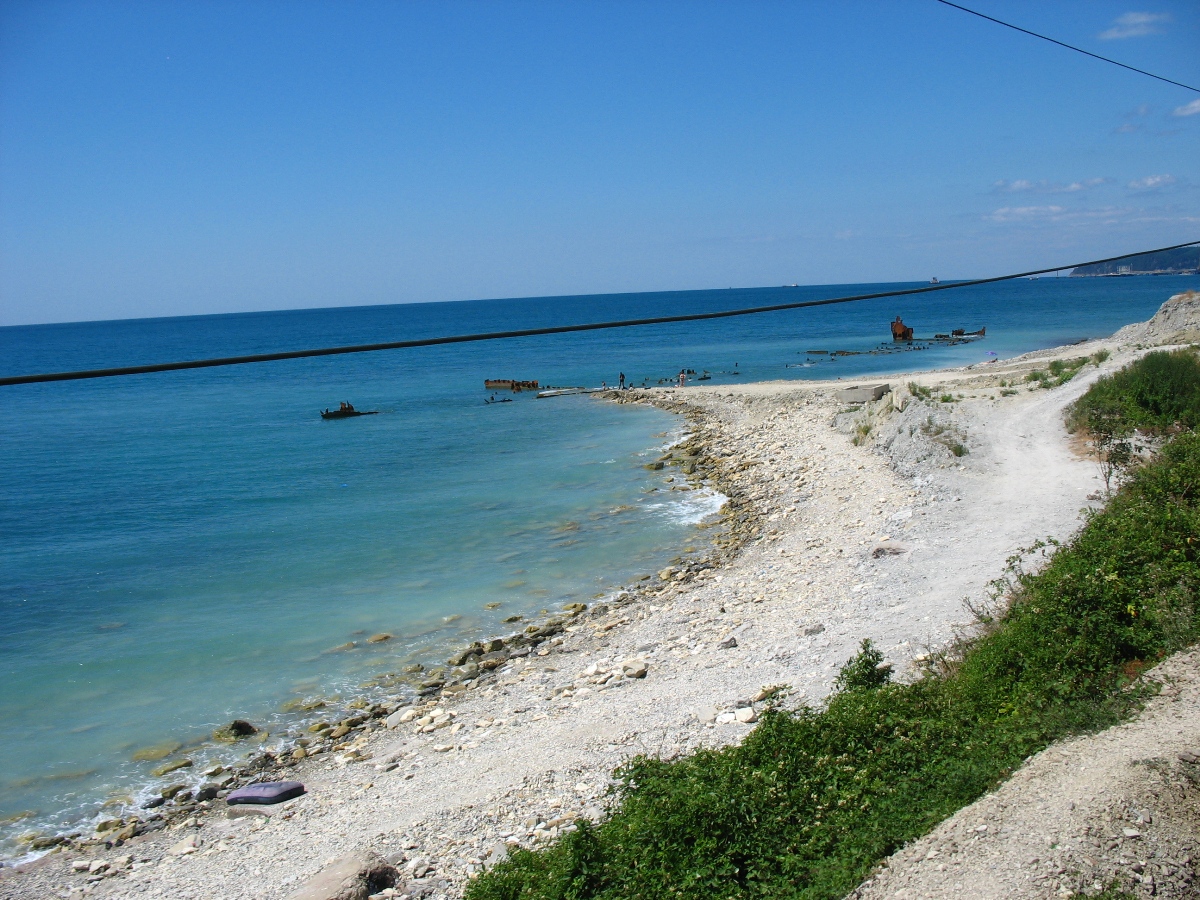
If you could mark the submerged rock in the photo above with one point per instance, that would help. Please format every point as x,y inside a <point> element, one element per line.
<point>168,768</point>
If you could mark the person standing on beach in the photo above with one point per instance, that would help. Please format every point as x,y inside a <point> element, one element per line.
<point>682,377</point>
<point>622,381</point>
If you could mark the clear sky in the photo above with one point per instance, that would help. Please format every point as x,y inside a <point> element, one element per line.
<point>173,158</point>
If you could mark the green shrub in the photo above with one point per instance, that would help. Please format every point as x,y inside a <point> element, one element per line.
<point>864,671</point>
<point>917,390</point>
<point>1157,394</point>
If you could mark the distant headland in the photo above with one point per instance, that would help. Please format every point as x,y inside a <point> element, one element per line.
<point>1184,261</point>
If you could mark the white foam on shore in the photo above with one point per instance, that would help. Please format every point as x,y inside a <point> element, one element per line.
<point>690,507</point>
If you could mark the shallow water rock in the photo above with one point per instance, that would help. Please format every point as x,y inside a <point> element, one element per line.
<point>168,768</point>
<point>158,751</point>
<point>379,638</point>
<point>234,731</point>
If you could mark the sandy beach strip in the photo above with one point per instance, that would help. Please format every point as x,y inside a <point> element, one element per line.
<point>850,522</point>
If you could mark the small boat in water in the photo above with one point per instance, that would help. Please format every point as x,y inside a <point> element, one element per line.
<point>347,411</point>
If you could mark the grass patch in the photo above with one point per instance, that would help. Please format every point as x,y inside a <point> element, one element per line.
<point>918,391</point>
<point>946,435</point>
<point>861,432</point>
<point>813,799</point>
<point>1007,392</point>
<point>1058,372</point>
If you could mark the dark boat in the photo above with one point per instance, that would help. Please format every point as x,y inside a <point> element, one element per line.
<point>346,411</point>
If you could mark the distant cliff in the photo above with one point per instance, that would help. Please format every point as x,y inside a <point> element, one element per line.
<point>1185,260</point>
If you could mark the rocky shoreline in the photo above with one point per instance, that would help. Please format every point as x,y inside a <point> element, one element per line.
<point>824,540</point>
<point>187,803</point>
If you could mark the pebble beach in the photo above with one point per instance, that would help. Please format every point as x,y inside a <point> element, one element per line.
<point>883,520</point>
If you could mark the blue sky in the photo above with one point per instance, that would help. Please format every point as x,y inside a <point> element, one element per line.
<point>175,158</point>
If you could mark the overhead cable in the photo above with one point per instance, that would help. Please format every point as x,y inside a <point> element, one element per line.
<point>1069,46</point>
<point>532,332</point>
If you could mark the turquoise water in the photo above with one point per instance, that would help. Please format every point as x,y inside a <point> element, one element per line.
<point>182,549</point>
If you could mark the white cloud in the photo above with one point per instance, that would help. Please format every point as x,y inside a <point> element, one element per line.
<point>1152,182</point>
<point>1025,186</point>
<point>1135,24</point>
<point>1127,128</point>
<point>1190,109</point>
<point>1025,213</point>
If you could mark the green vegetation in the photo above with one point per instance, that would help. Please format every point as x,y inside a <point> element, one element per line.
<point>1007,392</point>
<point>1155,396</point>
<point>918,391</point>
<point>1158,394</point>
<point>812,799</point>
<point>946,435</point>
<point>1112,892</point>
<point>946,398</point>
<point>861,432</point>
<point>1059,372</point>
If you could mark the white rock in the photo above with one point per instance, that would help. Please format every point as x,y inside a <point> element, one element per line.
<point>442,748</point>
<point>707,714</point>
<point>498,853</point>
<point>745,715</point>
<point>397,719</point>
<point>634,668</point>
<point>186,846</point>
<point>725,718</point>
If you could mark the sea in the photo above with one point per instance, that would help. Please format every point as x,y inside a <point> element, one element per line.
<point>181,549</point>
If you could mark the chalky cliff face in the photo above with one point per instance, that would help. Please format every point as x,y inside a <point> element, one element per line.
<point>1176,322</point>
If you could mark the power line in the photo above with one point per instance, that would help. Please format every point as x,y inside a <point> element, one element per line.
<point>532,332</point>
<point>1069,46</point>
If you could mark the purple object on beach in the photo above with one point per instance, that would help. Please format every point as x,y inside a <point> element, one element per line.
<point>266,793</point>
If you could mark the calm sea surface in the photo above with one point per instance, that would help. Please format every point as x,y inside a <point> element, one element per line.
<point>180,549</point>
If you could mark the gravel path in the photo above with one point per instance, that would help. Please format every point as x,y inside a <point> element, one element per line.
<point>882,539</point>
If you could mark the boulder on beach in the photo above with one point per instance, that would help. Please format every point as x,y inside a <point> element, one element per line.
<point>355,876</point>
